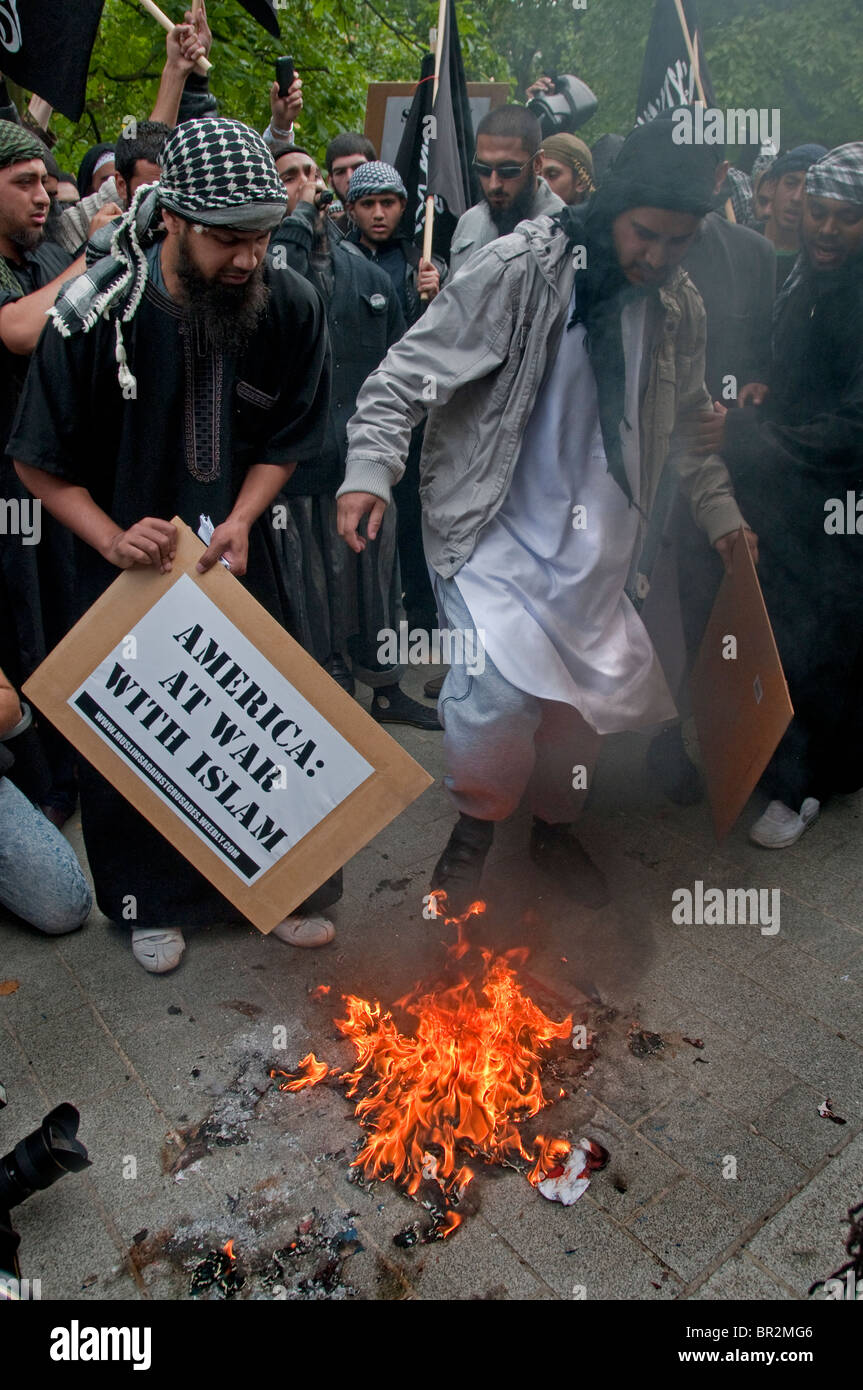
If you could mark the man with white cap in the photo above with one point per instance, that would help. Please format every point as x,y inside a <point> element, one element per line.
<point>181,375</point>
<point>797,465</point>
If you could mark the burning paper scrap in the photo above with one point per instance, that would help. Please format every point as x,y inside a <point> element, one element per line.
<point>218,1268</point>
<point>309,1072</point>
<point>825,1110</point>
<point>566,1182</point>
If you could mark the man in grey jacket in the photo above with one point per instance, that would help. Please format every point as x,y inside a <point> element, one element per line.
<point>508,162</point>
<point>540,467</point>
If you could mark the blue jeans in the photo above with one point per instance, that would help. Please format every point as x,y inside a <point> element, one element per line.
<point>40,878</point>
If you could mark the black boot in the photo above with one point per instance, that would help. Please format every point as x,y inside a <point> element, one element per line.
<point>555,849</point>
<point>390,705</point>
<point>459,869</point>
<point>676,774</point>
<point>337,668</point>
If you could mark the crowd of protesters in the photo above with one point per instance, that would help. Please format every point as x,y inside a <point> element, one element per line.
<point>254,330</point>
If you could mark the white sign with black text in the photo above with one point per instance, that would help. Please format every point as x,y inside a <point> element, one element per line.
<point>218,733</point>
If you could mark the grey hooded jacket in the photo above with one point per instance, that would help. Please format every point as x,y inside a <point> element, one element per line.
<point>475,362</point>
<point>475,227</point>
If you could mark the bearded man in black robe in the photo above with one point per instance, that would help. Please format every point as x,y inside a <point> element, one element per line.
<point>181,375</point>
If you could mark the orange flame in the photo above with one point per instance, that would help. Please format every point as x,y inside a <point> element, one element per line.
<point>469,1075</point>
<point>309,1072</point>
<point>320,992</point>
<point>549,1164</point>
<point>229,1250</point>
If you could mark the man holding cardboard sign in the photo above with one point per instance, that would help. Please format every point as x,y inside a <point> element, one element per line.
<point>181,376</point>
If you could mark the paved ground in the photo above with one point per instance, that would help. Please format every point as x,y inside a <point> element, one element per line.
<point>192,1147</point>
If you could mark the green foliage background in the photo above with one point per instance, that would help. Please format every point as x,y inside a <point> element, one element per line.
<point>803,56</point>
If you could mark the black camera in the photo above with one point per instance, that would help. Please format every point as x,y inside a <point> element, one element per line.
<point>570,106</point>
<point>36,1162</point>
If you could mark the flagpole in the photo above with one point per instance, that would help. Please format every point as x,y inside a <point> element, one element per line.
<point>203,65</point>
<point>699,85</point>
<point>428,225</point>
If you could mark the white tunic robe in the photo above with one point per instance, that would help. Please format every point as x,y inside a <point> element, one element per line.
<point>547,594</point>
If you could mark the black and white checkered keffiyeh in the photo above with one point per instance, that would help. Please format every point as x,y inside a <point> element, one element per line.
<point>839,174</point>
<point>375,177</point>
<point>214,173</point>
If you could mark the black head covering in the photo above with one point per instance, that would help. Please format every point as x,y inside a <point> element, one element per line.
<point>88,164</point>
<point>649,171</point>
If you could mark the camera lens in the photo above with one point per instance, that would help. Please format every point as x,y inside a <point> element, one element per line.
<point>44,1156</point>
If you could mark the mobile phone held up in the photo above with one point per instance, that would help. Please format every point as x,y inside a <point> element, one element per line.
<point>285,74</point>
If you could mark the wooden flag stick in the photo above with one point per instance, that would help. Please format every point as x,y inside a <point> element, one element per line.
<point>203,65</point>
<point>428,225</point>
<point>699,85</point>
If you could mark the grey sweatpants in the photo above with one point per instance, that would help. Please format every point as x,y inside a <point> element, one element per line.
<point>503,746</point>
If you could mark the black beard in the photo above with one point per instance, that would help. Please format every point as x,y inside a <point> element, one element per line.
<point>227,315</point>
<point>53,220</point>
<point>29,238</point>
<point>507,219</point>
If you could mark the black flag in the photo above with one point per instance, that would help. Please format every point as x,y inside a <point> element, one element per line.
<point>667,79</point>
<point>264,11</point>
<point>437,146</point>
<point>45,47</point>
<point>412,158</point>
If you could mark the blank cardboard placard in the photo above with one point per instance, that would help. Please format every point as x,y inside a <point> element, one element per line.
<point>739,694</point>
<point>233,742</point>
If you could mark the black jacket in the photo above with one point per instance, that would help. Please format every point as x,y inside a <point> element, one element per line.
<point>734,271</point>
<point>364,319</point>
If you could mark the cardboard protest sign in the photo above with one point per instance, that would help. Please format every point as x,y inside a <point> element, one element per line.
<point>739,695</point>
<point>201,710</point>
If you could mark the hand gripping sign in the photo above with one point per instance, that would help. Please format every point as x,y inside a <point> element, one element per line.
<point>201,710</point>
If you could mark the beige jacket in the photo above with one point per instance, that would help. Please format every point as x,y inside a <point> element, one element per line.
<point>475,362</point>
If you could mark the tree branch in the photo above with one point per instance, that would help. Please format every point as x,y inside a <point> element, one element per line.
<point>404,38</point>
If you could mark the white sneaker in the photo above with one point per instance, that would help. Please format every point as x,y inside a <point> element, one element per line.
<point>780,827</point>
<point>158,949</point>
<point>305,931</point>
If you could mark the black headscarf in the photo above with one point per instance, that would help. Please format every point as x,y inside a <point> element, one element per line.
<point>650,171</point>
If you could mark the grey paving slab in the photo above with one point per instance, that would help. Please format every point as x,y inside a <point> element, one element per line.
<point>727,1070</point>
<point>637,1171</point>
<point>577,1247</point>
<point>828,939</point>
<point>46,989</point>
<point>630,1086</point>
<point>741,1278</point>
<point>805,1241</point>
<point>687,1228</point>
<point>722,993</point>
<point>814,1052</point>
<point>64,1240</point>
<point>475,1263</point>
<point>794,1124</point>
<point>74,1058</point>
<point>815,989</point>
<point>739,1168</point>
<point>123,1132</point>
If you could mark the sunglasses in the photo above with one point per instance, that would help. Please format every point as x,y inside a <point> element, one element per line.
<point>503,171</point>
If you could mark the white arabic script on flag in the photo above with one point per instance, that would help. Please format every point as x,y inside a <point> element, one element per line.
<point>678,89</point>
<point>10,26</point>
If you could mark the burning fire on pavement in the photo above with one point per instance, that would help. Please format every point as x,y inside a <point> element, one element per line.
<point>457,1089</point>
